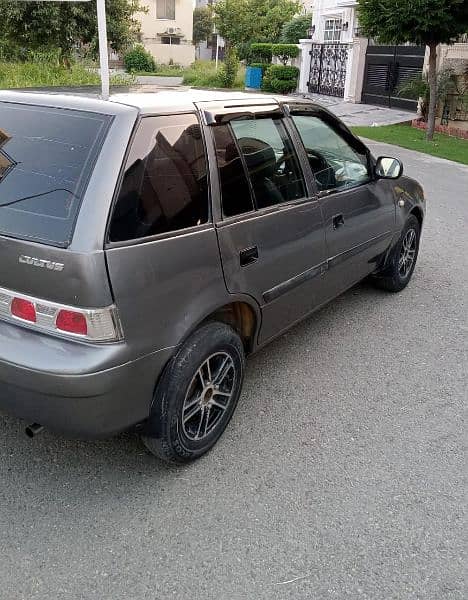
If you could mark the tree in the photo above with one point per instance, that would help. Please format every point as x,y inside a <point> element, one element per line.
<point>51,25</point>
<point>424,22</point>
<point>202,24</point>
<point>241,21</point>
<point>296,29</point>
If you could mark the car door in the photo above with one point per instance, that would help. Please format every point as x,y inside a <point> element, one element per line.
<point>358,211</point>
<point>270,228</point>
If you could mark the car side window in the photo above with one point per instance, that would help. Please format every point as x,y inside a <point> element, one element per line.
<point>165,185</point>
<point>236,198</point>
<point>270,159</point>
<point>334,162</point>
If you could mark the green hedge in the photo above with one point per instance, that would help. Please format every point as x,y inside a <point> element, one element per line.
<point>283,72</point>
<point>261,52</point>
<point>280,79</point>
<point>285,51</point>
<point>278,86</point>
<point>265,52</point>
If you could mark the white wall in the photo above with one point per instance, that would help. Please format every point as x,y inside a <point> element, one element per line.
<point>326,9</point>
<point>346,11</point>
<point>184,53</point>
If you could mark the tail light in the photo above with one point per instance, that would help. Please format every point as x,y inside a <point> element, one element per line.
<point>23,309</point>
<point>91,324</point>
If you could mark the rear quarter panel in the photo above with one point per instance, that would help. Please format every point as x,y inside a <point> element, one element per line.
<point>164,287</point>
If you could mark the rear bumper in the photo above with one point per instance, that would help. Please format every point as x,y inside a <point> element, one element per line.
<point>82,402</point>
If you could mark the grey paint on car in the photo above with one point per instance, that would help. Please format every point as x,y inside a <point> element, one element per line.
<point>298,254</point>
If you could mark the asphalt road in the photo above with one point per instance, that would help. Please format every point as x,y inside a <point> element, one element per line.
<point>341,475</point>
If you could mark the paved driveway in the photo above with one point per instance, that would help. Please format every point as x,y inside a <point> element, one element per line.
<point>340,477</point>
<point>361,114</point>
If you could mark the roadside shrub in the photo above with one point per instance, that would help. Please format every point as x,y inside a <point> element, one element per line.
<point>264,53</point>
<point>280,79</point>
<point>278,86</point>
<point>417,88</point>
<point>139,59</point>
<point>228,72</point>
<point>261,52</point>
<point>283,72</point>
<point>285,51</point>
<point>203,73</point>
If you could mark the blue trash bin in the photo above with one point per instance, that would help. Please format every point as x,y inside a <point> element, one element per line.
<point>253,78</point>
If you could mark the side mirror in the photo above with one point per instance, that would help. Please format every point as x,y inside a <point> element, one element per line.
<point>388,168</point>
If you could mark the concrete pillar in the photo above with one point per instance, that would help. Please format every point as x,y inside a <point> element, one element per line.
<point>355,70</point>
<point>304,65</point>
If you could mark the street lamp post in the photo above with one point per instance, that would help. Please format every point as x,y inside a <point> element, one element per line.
<point>103,54</point>
<point>102,37</point>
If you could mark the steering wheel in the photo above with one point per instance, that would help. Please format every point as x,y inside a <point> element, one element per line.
<point>279,163</point>
<point>323,172</point>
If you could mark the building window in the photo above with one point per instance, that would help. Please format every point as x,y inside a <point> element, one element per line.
<point>171,40</point>
<point>165,9</point>
<point>333,28</point>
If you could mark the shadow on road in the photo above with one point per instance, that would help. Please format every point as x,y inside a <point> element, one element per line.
<point>73,462</point>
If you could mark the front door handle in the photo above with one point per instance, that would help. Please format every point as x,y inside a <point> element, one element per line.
<point>248,256</point>
<point>338,221</point>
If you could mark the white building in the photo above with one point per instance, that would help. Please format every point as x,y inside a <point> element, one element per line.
<point>334,20</point>
<point>337,61</point>
<point>166,30</point>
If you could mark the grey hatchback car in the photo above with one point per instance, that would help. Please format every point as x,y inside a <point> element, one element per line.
<point>151,242</point>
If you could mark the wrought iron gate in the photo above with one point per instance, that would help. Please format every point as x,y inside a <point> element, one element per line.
<point>328,69</point>
<point>387,68</point>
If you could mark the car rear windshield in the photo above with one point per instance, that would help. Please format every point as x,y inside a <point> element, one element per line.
<point>46,158</point>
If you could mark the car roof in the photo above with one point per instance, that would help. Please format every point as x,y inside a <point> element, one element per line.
<point>151,101</point>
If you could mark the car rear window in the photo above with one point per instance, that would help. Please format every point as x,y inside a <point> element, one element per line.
<point>46,158</point>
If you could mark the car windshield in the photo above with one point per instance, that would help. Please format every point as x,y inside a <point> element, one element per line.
<point>46,158</point>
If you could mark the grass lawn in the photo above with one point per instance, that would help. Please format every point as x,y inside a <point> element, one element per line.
<point>443,145</point>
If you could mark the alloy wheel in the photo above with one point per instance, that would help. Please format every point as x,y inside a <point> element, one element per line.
<point>407,253</point>
<point>208,396</point>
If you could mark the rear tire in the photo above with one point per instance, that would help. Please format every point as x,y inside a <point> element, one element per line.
<point>396,276</point>
<point>197,395</point>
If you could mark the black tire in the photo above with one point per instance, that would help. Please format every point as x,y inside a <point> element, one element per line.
<point>394,277</point>
<point>172,435</point>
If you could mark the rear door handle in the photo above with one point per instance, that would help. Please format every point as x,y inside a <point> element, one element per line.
<point>338,221</point>
<point>248,256</point>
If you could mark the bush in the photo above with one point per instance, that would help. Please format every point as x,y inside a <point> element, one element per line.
<point>283,72</point>
<point>278,86</point>
<point>203,73</point>
<point>280,79</point>
<point>285,51</point>
<point>228,72</point>
<point>139,60</point>
<point>261,52</point>
<point>417,87</point>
